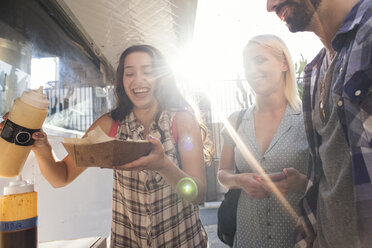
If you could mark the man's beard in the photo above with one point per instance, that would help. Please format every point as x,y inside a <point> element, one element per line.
<point>301,15</point>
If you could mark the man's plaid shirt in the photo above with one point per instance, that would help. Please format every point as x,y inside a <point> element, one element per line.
<point>352,83</point>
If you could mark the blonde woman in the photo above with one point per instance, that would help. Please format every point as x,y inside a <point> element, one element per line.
<point>272,129</point>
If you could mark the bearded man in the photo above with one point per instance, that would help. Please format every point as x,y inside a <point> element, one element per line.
<point>337,105</point>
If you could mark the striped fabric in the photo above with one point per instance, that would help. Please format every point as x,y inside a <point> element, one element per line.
<point>352,83</point>
<point>146,211</point>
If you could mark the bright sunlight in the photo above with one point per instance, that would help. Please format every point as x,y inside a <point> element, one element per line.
<point>213,62</point>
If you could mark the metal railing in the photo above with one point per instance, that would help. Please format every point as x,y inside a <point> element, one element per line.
<point>70,108</point>
<point>76,108</point>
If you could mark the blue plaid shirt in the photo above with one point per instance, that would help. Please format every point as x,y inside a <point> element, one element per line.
<point>352,84</point>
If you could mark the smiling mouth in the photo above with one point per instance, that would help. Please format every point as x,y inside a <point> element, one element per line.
<point>283,16</point>
<point>255,79</point>
<point>282,10</point>
<point>140,90</point>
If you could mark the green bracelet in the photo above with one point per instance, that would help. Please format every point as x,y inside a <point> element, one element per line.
<point>187,189</point>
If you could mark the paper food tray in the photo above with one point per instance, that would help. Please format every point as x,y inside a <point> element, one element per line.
<point>107,154</point>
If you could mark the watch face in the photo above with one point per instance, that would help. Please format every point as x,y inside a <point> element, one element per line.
<point>23,137</point>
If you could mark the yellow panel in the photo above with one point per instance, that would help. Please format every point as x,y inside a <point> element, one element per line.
<point>18,206</point>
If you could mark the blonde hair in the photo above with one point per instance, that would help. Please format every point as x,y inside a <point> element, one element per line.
<point>280,50</point>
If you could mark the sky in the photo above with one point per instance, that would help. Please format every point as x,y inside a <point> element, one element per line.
<point>222,29</point>
<point>43,70</point>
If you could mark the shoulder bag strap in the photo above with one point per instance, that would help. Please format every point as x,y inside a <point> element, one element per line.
<point>237,124</point>
<point>114,128</point>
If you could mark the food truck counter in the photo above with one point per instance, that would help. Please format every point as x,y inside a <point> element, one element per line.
<point>91,242</point>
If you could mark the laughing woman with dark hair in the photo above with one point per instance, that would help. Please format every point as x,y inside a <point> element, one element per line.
<point>148,210</point>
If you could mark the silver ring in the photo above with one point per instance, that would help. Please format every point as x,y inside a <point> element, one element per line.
<point>25,139</point>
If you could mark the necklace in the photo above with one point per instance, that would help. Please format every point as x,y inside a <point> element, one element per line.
<point>322,113</point>
<point>325,86</point>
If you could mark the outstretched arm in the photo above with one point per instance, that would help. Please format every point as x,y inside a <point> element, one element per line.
<point>61,173</point>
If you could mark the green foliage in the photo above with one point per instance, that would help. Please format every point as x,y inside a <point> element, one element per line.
<point>299,68</point>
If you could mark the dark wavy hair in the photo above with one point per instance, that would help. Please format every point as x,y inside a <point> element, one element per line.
<point>166,92</point>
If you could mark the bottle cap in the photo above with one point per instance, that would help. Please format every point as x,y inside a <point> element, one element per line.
<point>18,187</point>
<point>35,98</point>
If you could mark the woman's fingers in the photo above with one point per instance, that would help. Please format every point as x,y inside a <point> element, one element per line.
<point>291,172</point>
<point>253,187</point>
<point>257,191</point>
<point>156,144</point>
<point>5,117</point>
<point>154,161</point>
<point>135,165</point>
<point>40,138</point>
<point>145,162</point>
<point>40,135</point>
<point>281,185</point>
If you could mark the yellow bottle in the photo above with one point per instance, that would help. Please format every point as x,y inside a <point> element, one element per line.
<point>26,117</point>
<point>18,219</point>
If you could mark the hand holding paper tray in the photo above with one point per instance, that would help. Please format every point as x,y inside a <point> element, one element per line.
<point>100,150</point>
